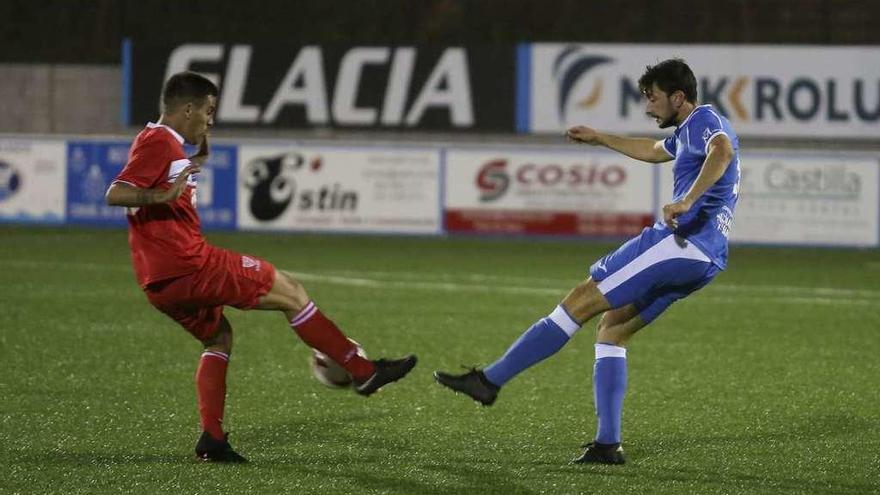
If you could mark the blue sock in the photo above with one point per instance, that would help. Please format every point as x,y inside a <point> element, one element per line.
<point>541,341</point>
<point>609,387</point>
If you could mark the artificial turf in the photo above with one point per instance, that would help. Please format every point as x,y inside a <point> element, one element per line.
<point>763,382</point>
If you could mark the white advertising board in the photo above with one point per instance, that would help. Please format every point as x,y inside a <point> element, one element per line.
<point>764,90</point>
<point>311,188</point>
<point>32,180</point>
<point>581,191</point>
<point>804,199</point>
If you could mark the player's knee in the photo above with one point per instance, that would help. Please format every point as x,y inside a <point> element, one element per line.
<point>581,291</point>
<point>585,301</point>
<point>295,295</point>
<point>221,341</point>
<point>614,332</point>
<point>609,330</point>
<point>610,335</point>
<point>604,323</point>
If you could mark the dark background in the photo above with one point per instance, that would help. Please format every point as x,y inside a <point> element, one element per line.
<point>90,31</point>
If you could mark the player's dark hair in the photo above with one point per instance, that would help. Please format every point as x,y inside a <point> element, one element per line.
<point>670,76</point>
<point>186,87</point>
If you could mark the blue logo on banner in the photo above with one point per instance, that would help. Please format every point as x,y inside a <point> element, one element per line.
<point>90,168</point>
<point>92,165</point>
<point>10,180</point>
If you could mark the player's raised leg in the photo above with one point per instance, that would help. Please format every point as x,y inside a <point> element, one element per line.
<point>319,332</point>
<point>540,341</point>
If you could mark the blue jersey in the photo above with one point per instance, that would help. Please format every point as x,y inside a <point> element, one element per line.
<point>707,224</point>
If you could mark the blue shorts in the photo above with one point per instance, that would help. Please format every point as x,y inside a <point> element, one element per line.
<point>652,271</point>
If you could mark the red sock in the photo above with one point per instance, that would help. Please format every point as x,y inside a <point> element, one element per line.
<point>322,334</point>
<point>211,391</point>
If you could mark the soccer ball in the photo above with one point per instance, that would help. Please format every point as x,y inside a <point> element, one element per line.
<point>328,371</point>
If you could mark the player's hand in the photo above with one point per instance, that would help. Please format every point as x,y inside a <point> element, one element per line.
<point>202,154</point>
<point>583,134</point>
<point>179,184</point>
<point>672,211</point>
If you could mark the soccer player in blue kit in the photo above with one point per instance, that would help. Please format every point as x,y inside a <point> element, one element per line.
<point>633,285</point>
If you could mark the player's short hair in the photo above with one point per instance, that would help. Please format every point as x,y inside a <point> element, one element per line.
<point>186,87</point>
<point>670,76</point>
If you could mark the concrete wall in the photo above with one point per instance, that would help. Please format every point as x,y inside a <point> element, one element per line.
<point>60,98</point>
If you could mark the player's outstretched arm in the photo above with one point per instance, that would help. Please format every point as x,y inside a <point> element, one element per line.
<point>644,149</point>
<point>122,194</point>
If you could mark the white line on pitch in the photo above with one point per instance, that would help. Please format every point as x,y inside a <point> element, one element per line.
<point>504,284</point>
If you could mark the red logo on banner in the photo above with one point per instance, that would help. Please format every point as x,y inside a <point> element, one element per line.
<point>573,175</point>
<point>492,180</point>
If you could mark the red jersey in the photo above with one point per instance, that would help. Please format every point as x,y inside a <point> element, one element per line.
<point>166,239</point>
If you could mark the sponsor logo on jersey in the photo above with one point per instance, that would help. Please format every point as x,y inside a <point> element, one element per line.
<point>248,262</point>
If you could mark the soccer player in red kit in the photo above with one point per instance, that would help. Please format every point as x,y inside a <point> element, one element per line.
<point>191,281</point>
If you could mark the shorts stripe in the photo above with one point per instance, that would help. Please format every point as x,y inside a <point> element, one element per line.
<point>666,249</point>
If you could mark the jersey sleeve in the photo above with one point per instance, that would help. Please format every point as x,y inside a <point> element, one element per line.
<point>669,144</point>
<point>707,125</point>
<point>147,164</point>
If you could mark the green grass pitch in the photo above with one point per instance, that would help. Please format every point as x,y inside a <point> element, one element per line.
<point>764,382</point>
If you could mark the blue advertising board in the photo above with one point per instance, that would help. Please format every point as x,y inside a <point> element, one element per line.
<point>92,165</point>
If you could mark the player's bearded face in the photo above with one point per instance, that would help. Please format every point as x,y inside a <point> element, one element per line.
<point>660,108</point>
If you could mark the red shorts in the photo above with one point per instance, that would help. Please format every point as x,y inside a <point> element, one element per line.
<point>196,300</point>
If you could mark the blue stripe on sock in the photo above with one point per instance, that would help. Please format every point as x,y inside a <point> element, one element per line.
<point>539,342</point>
